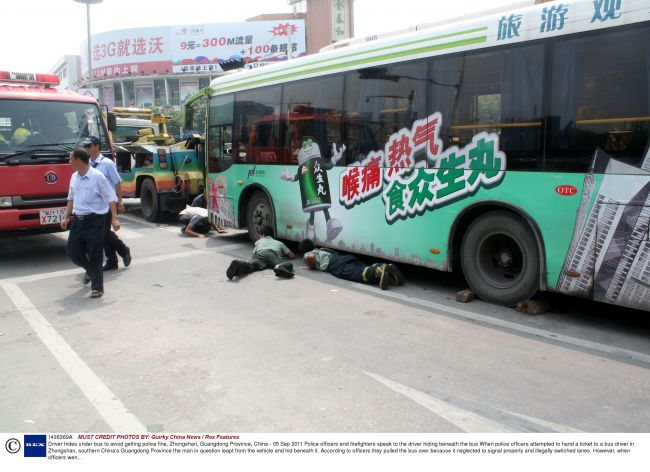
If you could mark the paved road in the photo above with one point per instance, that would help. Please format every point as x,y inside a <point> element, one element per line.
<point>174,346</point>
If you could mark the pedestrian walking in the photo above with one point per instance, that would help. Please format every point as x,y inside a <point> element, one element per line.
<point>348,267</point>
<point>268,253</point>
<point>113,245</point>
<point>90,198</point>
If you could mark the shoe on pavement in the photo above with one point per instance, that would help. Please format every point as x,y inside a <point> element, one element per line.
<point>109,266</point>
<point>233,270</point>
<point>86,279</point>
<point>281,271</point>
<point>96,293</point>
<point>381,273</point>
<point>396,276</point>
<point>127,259</point>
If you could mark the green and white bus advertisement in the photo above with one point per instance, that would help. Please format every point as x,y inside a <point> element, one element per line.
<point>513,148</point>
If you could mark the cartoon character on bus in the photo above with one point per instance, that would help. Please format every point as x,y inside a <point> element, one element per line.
<point>314,186</point>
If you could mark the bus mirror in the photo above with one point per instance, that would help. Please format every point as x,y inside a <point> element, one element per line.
<point>188,118</point>
<point>112,122</point>
<point>193,141</point>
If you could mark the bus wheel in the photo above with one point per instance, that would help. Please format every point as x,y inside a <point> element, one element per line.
<point>499,258</point>
<point>149,201</point>
<point>259,213</point>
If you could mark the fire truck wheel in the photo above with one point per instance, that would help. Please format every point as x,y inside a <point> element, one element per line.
<point>149,201</point>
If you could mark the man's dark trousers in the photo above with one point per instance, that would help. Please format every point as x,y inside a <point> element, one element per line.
<point>348,267</point>
<point>86,246</point>
<point>113,245</point>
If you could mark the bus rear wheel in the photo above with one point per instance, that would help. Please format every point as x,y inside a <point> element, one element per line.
<point>149,201</point>
<point>499,258</point>
<point>259,212</point>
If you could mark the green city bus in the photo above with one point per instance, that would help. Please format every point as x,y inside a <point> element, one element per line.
<point>513,147</point>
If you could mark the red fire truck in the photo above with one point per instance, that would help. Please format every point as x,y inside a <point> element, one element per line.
<point>39,125</point>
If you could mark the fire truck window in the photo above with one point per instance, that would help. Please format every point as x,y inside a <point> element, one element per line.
<point>40,123</point>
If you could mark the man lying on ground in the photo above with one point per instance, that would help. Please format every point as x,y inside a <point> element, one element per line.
<point>348,267</point>
<point>268,253</point>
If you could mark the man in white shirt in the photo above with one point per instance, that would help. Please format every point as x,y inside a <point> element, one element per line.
<point>195,222</point>
<point>90,198</point>
<point>113,245</point>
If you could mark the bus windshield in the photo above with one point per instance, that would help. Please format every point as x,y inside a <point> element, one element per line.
<point>27,125</point>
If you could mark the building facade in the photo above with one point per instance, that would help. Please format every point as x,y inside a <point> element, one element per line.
<point>160,67</point>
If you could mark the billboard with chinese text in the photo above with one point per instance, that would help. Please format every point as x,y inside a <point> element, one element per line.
<point>191,48</point>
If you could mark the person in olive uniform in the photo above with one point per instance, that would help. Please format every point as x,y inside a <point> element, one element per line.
<point>268,253</point>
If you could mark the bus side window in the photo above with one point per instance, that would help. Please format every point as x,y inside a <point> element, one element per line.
<point>313,108</point>
<point>257,126</point>
<point>219,143</point>
<point>220,155</point>
<point>379,102</point>
<point>596,103</point>
<point>497,92</point>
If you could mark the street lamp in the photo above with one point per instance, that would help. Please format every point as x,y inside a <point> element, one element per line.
<point>90,64</point>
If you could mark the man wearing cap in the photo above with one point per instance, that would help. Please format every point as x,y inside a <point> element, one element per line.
<point>90,198</point>
<point>113,245</point>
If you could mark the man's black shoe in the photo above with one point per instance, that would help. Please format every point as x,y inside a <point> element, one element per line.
<point>127,259</point>
<point>232,270</point>
<point>86,279</point>
<point>281,271</point>
<point>108,266</point>
<point>396,276</point>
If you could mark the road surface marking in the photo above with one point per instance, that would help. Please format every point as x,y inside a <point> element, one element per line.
<point>463,419</point>
<point>123,233</point>
<point>170,229</point>
<point>594,346</point>
<point>136,262</point>
<point>109,407</point>
<point>558,428</point>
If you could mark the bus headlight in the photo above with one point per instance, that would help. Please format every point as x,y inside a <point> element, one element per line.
<point>5,202</point>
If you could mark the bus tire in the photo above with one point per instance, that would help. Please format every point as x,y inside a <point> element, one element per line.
<point>259,212</point>
<point>500,259</point>
<point>149,201</point>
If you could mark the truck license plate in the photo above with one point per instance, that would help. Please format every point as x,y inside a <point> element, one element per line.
<point>52,216</point>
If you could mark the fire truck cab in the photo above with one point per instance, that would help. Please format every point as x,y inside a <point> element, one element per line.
<point>39,125</point>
